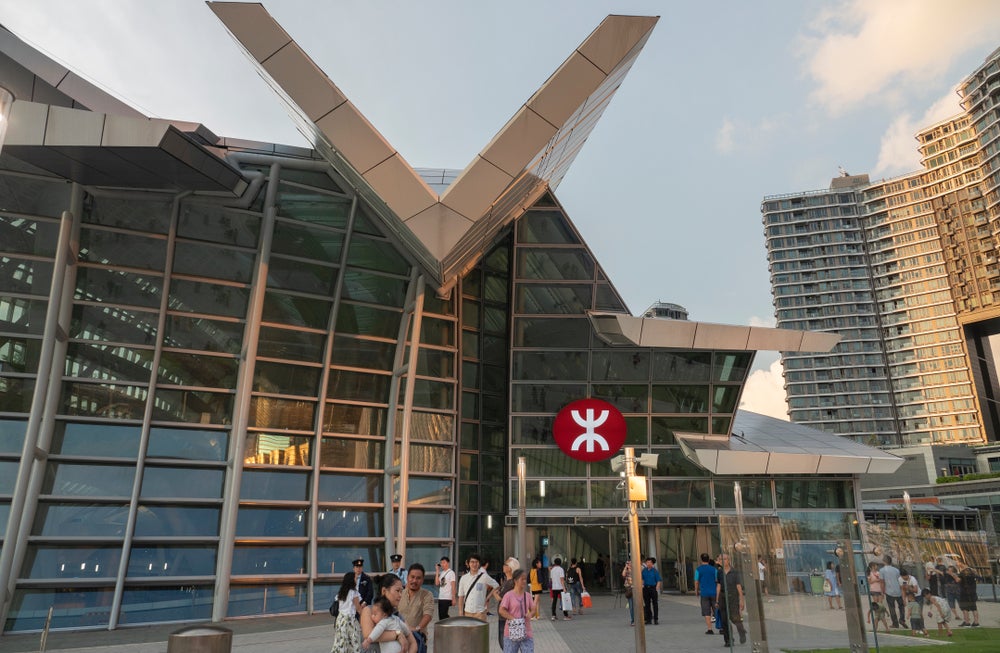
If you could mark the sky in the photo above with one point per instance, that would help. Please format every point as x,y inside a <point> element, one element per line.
<point>729,101</point>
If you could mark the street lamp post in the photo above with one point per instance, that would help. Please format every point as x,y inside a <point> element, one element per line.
<point>634,482</point>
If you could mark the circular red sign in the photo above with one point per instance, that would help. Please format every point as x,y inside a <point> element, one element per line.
<point>589,430</point>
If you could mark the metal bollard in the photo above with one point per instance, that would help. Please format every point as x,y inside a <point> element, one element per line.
<point>461,635</point>
<point>200,639</point>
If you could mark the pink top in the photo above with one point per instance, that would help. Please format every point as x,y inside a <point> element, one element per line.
<point>519,607</point>
<point>875,582</point>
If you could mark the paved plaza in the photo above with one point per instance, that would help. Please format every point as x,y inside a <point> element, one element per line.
<point>799,621</point>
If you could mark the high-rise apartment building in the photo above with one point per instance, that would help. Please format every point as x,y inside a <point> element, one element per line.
<point>906,270</point>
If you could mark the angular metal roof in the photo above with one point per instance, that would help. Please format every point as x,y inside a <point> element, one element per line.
<point>531,152</point>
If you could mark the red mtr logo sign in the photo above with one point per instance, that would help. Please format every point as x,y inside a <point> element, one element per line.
<point>590,430</point>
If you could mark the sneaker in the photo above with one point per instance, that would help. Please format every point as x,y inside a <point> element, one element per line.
<point>567,618</point>
<point>553,617</point>
<point>707,632</point>
<point>964,624</point>
<point>727,644</point>
<point>975,625</point>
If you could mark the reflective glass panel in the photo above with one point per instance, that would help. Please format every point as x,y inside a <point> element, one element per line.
<point>558,494</point>
<point>79,608</point>
<point>109,324</point>
<point>680,494</point>
<point>307,242</point>
<point>193,407</point>
<point>20,354</point>
<point>470,313</point>
<point>368,321</point>
<point>187,444</point>
<point>548,463</point>
<point>435,331</point>
<point>356,522</point>
<point>280,378</point>
<point>354,420</point>
<point>290,343</point>
<point>813,493</point>
<point>277,449</point>
<point>626,398</point>
<point>352,454</point>
<point>435,362</point>
<point>337,559</point>
<point>296,311</point>
<point>12,435</point>
<point>286,274</point>
<point>162,560</point>
<point>166,604</point>
<point>429,491</point>
<point>350,488</point>
<point>433,394</point>
<point>430,426</point>
<point>274,485</point>
<point>8,476</point>
<point>209,298</point>
<point>253,600</point>
<point>428,524</point>
<point>371,254</point>
<point>680,399</point>
<point>606,299</point>
<point>374,288</point>
<point>307,206</point>
<point>25,276</point>
<point>16,394</point>
<point>168,521</point>
<point>664,427</point>
<point>75,480</point>
<point>151,215</point>
<point>683,367</point>
<point>538,398</point>
<point>358,386</point>
<point>105,440</point>
<point>46,561</point>
<point>605,494</point>
<point>555,264</point>
<point>108,362</point>
<point>559,333</point>
<point>271,522</point>
<point>124,249</point>
<point>544,227</point>
<point>218,224</point>
<point>203,260</point>
<point>80,519</point>
<point>268,412</point>
<point>317,178</point>
<point>267,560</point>
<point>20,235</point>
<point>620,366</point>
<point>430,459</point>
<point>496,288</point>
<point>673,462</point>
<point>435,304</point>
<point>724,398</point>
<point>199,369</point>
<point>755,493</point>
<point>548,300</point>
<point>193,483</point>
<point>731,366</point>
<point>532,429</point>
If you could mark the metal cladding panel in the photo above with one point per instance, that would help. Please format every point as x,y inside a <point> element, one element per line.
<point>741,462</point>
<point>566,90</point>
<point>833,464</point>
<point>519,142</point>
<point>792,463</point>
<point>252,26</point>
<point>400,186</point>
<point>614,38</point>
<point>764,339</point>
<point>476,189</point>
<point>818,341</point>
<point>438,228</point>
<point>719,336</point>
<point>304,82</point>
<point>354,137</point>
<point>66,127</point>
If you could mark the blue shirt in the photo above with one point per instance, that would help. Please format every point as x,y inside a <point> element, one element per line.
<point>707,577</point>
<point>650,576</point>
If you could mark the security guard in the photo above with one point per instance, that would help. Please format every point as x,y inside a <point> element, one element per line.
<point>397,567</point>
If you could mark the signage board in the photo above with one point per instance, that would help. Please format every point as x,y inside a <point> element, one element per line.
<point>590,430</point>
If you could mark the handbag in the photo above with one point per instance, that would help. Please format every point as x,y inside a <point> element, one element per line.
<point>335,607</point>
<point>517,629</point>
<point>585,600</point>
<point>827,587</point>
<point>628,592</point>
<point>567,601</point>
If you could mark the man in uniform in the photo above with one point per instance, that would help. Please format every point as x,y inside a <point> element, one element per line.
<point>363,582</point>
<point>397,567</point>
<point>417,605</point>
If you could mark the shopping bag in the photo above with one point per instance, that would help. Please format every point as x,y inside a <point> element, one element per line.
<point>567,601</point>
<point>587,602</point>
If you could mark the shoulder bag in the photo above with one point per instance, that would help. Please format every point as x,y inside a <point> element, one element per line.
<point>517,629</point>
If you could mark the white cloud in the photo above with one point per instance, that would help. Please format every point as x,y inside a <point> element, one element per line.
<point>756,321</point>
<point>862,48</point>
<point>898,150</point>
<point>724,137</point>
<point>764,393</point>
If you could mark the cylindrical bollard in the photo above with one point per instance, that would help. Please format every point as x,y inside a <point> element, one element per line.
<point>200,639</point>
<point>461,635</point>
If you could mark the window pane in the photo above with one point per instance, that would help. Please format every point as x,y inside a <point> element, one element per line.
<point>81,608</point>
<point>203,334</point>
<point>80,519</point>
<point>307,206</point>
<point>317,178</point>
<point>664,427</point>
<point>731,366</point>
<point>274,486</point>
<point>45,561</point>
<point>532,429</point>
<point>560,333</point>
<point>279,378</point>
<point>124,249</point>
<point>433,394</point>
<point>119,287</point>
<point>356,522</point>
<point>169,482</point>
<point>267,412</point>
<point>680,399</point>
<point>435,331</point>
<point>198,369</point>
<point>358,386</point>
<point>352,454</point>
<point>290,343</point>
<point>271,522</point>
<point>755,493</point>
<point>209,298</point>
<point>307,242</point>
<point>430,459</point>
<point>203,260</point>
<point>337,559</point>
<point>435,362</point>
<point>153,560</point>
<point>215,223</point>
<point>555,264</point>
<point>287,274</point>
<point>680,494</point>
<point>16,395</point>
<point>626,398</point>
<point>537,398</point>
<point>297,311</point>
<point>551,365</point>
<point>373,288</point>
<point>68,479</point>
<point>428,524</point>
<point>549,463</point>
<point>108,362</point>
<point>108,324</point>
<point>254,600</point>
<point>368,321</point>
<point>546,299</point>
<point>187,444</point>
<point>142,215</point>
<point>430,491</point>
<point>544,227</point>
<point>354,420</point>
<point>378,255</point>
<point>558,494</point>
<point>276,449</point>
<point>267,560</point>
<point>12,435</point>
<point>72,439</point>
<point>179,521</point>
<point>357,352</point>
<point>724,398</point>
<point>605,494</point>
<point>350,488</point>
<point>193,407</point>
<point>430,426</point>
<point>20,354</point>
<point>28,235</point>
<point>621,366</point>
<point>690,367</point>
<point>166,604</point>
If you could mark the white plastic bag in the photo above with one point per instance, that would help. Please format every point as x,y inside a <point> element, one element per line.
<point>567,601</point>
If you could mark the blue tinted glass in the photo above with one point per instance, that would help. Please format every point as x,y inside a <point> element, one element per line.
<point>12,435</point>
<point>247,600</point>
<point>181,482</point>
<point>428,524</point>
<point>430,490</point>
<point>277,486</point>
<point>80,519</point>
<point>271,522</point>
<point>267,560</point>
<point>350,523</point>
<point>8,476</point>
<point>337,559</point>
<point>187,444</point>
<point>349,488</point>
<point>78,608</point>
<point>4,515</point>
<point>66,479</point>
<point>44,561</point>
<point>164,604</point>
<point>71,439</point>
<point>148,561</point>
<point>157,521</point>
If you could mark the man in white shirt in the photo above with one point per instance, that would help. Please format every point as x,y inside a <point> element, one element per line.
<point>557,583</point>
<point>475,589</point>
<point>444,578</point>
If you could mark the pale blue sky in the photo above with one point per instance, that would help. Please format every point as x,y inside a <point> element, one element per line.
<point>728,102</point>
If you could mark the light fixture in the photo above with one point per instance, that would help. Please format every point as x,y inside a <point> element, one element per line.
<point>541,489</point>
<point>489,521</point>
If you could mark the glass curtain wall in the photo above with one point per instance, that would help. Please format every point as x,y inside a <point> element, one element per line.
<point>130,514</point>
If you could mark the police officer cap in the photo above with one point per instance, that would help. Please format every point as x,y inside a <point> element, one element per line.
<point>395,557</point>
<point>360,562</point>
